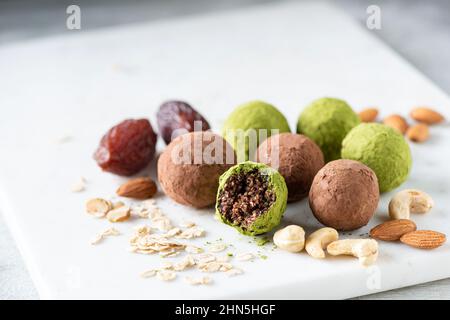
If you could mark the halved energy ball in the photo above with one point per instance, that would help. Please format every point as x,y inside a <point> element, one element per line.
<point>252,198</point>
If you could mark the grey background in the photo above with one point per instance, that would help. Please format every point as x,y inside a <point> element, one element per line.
<point>418,30</point>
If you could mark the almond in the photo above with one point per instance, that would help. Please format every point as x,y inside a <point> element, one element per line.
<point>368,115</point>
<point>426,115</point>
<point>397,122</point>
<point>393,230</point>
<point>138,188</point>
<point>418,132</point>
<point>424,239</point>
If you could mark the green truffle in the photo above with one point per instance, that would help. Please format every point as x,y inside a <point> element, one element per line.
<point>247,123</point>
<point>382,149</point>
<point>327,121</point>
<point>252,198</point>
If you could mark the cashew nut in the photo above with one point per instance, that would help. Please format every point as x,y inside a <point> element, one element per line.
<point>366,250</point>
<point>319,240</point>
<point>291,238</point>
<point>407,201</point>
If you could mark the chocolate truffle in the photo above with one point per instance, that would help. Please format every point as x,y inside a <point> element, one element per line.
<point>252,198</point>
<point>296,157</point>
<point>344,195</point>
<point>190,167</point>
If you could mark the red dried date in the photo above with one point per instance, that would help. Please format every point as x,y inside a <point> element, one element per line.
<point>176,118</point>
<point>127,147</point>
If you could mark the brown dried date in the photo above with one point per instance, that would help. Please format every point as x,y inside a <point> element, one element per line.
<point>127,147</point>
<point>176,118</point>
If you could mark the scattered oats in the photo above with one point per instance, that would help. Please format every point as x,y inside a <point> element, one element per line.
<point>188,224</point>
<point>104,234</point>
<point>200,281</point>
<point>118,215</point>
<point>97,239</point>
<point>234,272</point>
<point>169,254</point>
<point>192,232</point>
<point>225,267</point>
<point>143,230</point>
<point>162,223</point>
<point>149,273</point>
<point>187,262</point>
<point>205,258</point>
<point>79,185</point>
<point>173,232</point>
<point>193,249</point>
<point>117,204</point>
<point>149,243</point>
<point>210,267</point>
<point>225,258</point>
<point>246,257</point>
<point>217,247</point>
<point>167,265</point>
<point>98,207</point>
<point>140,211</point>
<point>166,275</point>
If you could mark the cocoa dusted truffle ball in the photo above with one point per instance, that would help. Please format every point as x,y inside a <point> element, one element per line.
<point>252,198</point>
<point>296,157</point>
<point>344,195</point>
<point>190,167</point>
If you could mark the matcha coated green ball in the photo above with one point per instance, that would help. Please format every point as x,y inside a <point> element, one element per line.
<point>252,198</point>
<point>250,124</point>
<point>327,121</point>
<point>382,149</point>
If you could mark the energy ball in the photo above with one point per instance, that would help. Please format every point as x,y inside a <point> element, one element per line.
<point>344,195</point>
<point>382,149</point>
<point>252,198</point>
<point>190,167</point>
<point>327,121</point>
<point>296,157</point>
<point>251,123</point>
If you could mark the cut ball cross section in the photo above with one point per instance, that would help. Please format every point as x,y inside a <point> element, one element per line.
<point>252,198</point>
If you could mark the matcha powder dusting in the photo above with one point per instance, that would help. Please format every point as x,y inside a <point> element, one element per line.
<point>382,149</point>
<point>327,121</point>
